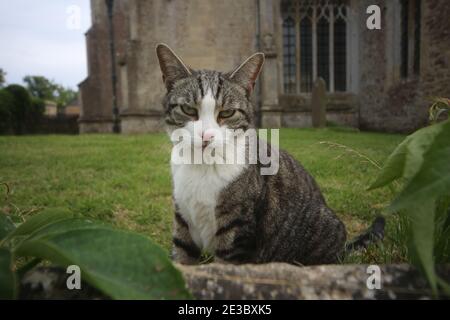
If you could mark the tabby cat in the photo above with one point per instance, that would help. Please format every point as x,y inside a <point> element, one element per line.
<point>231,210</point>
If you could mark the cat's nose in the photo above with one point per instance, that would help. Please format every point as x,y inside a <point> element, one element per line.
<point>208,135</point>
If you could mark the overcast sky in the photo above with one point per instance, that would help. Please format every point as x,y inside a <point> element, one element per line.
<point>44,37</point>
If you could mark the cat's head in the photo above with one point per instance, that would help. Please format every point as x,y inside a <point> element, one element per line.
<point>216,100</point>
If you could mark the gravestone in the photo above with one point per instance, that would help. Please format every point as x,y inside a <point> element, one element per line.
<point>319,104</point>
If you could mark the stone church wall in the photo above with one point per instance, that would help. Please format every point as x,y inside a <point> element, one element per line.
<point>218,34</point>
<point>387,102</point>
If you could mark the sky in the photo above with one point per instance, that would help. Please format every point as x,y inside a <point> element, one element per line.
<point>44,37</point>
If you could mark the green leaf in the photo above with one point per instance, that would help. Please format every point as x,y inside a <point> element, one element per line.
<point>393,169</point>
<point>6,226</point>
<point>7,276</point>
<point>406,160</point>
<point>421,141</point>
<point>420,196</point>
<point>123,265</point>
<point>422,238</point>
<point>40,220</point>
<point>423,159</point>
<point>433,178</point>
<point>444,286</point>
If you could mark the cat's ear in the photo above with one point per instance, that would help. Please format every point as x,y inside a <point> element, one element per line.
<point>172,67</point>
<point>246,74</point>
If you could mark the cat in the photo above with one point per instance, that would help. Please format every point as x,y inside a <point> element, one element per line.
<point>233,211</point>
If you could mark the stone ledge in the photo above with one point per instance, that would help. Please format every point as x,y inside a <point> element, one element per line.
<point>284,281</point>
<point>267,281</point>
<point>338,102</point>
<point>141,123</point>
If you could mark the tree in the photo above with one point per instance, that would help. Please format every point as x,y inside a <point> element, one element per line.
<point>34,115</point>
<point>2,77</point>
<point>21,104</point>
<point>65,96</point>
<point>41,87</point>
<point>6,103</point>
<point>26,111</point>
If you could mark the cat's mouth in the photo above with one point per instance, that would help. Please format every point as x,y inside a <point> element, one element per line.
<point>205,144</point>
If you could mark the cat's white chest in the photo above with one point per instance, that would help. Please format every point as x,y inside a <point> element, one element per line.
<point>196,191</point>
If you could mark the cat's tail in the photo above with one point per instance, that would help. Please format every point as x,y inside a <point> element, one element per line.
<point>373,234</point>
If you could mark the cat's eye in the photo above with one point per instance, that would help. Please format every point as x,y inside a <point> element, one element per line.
<point>226,113</point>
<point>190,111</point>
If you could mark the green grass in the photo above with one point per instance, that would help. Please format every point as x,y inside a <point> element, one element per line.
<point>126,180</point>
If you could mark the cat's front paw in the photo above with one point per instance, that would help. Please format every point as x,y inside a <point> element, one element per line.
<point>180,258</point>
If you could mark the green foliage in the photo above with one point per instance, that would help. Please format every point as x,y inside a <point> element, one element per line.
<point>35,115</point>
<point>439,107</point>
<point>42,88</point>
<point>20,108</point>
<point>8,282</point>
<point>6,226</point>
<point>25,111</point>
<point>442,234</point>
<point>422,163</point>
<point>121,264</point>
<point>6,105</point>
<point>64,96</point>
<point>35,222</point>
<point>2,78</point>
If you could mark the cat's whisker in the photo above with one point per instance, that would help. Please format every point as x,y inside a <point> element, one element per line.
<point>232,211</point>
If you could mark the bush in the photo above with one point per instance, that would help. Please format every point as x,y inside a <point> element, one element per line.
<point>26,111</point>
<point>20,107</point>
<point>6,102</point>
<point>34,115</point>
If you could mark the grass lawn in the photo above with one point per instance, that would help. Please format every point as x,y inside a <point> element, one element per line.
<point>125,180</point>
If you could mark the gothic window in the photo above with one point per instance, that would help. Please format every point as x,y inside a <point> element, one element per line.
<point>289,63</point>
<point>306,55</point>
<point>323,50</point>
<point>340,49</point>
<point>315,42</point>
<point>410,20</point>
<point>417,30</point>
<point>404,39</point>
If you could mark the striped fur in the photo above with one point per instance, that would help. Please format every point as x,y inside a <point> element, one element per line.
<point>234,212</point>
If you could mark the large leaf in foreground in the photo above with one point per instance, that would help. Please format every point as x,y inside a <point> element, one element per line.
<point>393,168</point>
<point>433,178</point>
<point>419,197</point>
<point>40,220</point>
<point>406,160</point>
<point>6,226</point>
<point>423,159</point>
<point>7,277</point>
<point>122,264</point>
<point>421,243</point>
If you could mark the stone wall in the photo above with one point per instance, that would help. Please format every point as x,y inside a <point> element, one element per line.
<point>96,90</point>
<point>436,48</point>
<point>342,109</point>
<point>382,100</point>
<point>209,35</point>
<point>265,281</point>
<point>219,34</point>
<point>387,102</point>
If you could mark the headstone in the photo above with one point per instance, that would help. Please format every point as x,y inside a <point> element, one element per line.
<point>318,104</point>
